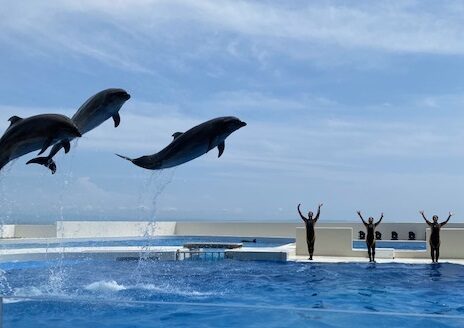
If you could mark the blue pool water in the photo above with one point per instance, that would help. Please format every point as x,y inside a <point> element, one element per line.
<point>118,294</point>
<point>409,245</point>
<point>156,241</point>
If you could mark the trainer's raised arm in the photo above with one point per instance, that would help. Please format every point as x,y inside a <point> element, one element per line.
<point>301,215</point>
<point>445,222</point>
<point>423,215</point>
<point>318,212</point>
<point>380,220</point>
<point>360,215</point>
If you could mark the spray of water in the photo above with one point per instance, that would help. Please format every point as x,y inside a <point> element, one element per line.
<point>154,187</point>
<point>57,273</point>
<point>6,204</point>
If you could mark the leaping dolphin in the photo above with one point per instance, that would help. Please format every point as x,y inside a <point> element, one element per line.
<point>96,110</point>
<point>33,133</point>
<point>191,144</point>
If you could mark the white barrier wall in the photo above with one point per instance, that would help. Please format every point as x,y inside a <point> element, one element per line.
<point>330,241</point>
<point>34,231</point>
<point>338,242</point>
<point>87,229</point>
<point>452,243</point>
<point>287,229</point>
<point>7,231</point>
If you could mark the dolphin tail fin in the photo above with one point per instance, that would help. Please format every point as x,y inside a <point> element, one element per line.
<point>45,161</point>
<point>126,158</point>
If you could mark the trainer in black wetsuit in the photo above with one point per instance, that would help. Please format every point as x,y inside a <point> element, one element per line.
<point>370,238</point>
<point>310,233</point>
<point>435,235</point>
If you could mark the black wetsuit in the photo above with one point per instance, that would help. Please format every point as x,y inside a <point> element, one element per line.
<point>434,240</point>
<point>310,232</point>
<point>310,236</point>
<point>370,238</point>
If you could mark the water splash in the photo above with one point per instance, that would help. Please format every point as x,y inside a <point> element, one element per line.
<point>154,186</point>
<point>105,286</point>
<point>6,205</point>
<point>5,288</point>
<point>57,273</point>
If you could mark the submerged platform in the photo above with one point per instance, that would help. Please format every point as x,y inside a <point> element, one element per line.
<point>213,245</point>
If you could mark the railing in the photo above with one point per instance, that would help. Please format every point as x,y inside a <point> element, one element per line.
<point>199,255</point>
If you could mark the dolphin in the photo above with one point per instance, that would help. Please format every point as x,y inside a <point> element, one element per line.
<point>96,110</point>
<point>33,133</point>
<point>191,144</point>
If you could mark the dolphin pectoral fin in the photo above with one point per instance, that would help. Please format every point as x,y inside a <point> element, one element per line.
<point>221,148</point>
<point>116,119</point>
<point>66,145</point>
<point>14,119</point>
<point>126,158</point>
<point>46,144</point>
<point>176,135</point>
<point>45,161</point>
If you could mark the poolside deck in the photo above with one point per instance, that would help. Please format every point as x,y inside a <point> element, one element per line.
<point>170,253</point>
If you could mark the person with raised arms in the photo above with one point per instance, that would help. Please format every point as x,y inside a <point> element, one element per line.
<point>434,240</point>
<point>310,222</point>
<point>370,238</point>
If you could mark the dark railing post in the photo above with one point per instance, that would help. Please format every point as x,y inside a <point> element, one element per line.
<point>1,312</point>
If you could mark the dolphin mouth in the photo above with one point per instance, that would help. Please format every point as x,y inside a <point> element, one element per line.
<point>126,96</point>
<point>76,132</point>
<point>242,124</point>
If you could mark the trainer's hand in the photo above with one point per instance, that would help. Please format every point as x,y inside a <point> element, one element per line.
<point>320,205</point>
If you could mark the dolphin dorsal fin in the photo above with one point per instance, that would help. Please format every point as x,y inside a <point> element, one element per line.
<point>14,119</point>
<point>176,135</point>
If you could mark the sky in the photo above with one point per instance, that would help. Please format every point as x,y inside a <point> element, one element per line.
<point>356,104</point>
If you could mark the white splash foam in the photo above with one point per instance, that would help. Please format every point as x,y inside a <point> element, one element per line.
<point>28,291</point>
<point>168,289</point>
<point>105,286</point>
<point>24,292</point>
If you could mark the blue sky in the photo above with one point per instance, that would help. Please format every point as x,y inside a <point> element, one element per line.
<point>354,104</point>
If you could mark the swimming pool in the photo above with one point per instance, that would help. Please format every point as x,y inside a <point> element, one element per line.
<point>102,293</point>
<point>143,241</point>
<point>400,244</point>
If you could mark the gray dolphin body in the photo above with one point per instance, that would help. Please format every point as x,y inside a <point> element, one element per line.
<point>191,144</point>
<point>33,133</point>
<point>96,110</point>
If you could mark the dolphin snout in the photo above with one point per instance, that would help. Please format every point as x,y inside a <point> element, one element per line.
<point>126,96</point>
<point>242,124</point>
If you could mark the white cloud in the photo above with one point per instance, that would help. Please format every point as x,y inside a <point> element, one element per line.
<point>141,35</point>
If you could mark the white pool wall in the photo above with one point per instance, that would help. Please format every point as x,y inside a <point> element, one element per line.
<point>99,229</point>
<point>90,229</point>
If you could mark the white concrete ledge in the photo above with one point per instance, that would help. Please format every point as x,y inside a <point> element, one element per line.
<point>87,229</point>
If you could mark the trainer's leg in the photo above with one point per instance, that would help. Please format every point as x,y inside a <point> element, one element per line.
<point>373,252</point>
<point>369,252</point>
<point>308,243</point>
<point>432,253</point>
<point>311,250</point>
<point>437,254</point>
